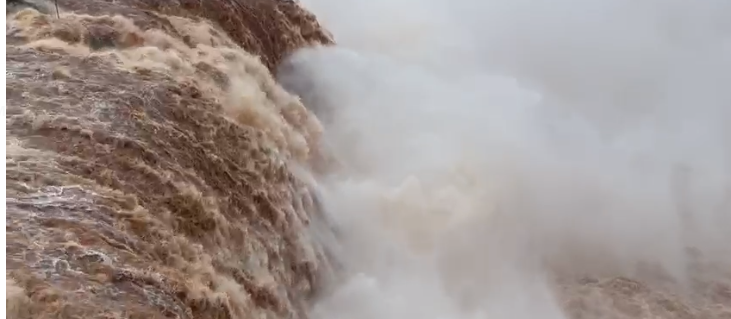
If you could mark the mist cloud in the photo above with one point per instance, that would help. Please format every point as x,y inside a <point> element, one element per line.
<point>487,146</point>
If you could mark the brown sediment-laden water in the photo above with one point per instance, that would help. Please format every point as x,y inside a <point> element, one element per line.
<point>445,160</point>
<point>147,161</point>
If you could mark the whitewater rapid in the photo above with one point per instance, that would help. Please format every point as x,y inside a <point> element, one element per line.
<point>492,151</point>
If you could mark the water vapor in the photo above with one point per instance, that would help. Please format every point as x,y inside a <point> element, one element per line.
<point>492,152</point>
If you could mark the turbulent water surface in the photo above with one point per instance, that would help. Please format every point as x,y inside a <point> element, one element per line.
<point>148,159</point>
<point>445,160</point>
